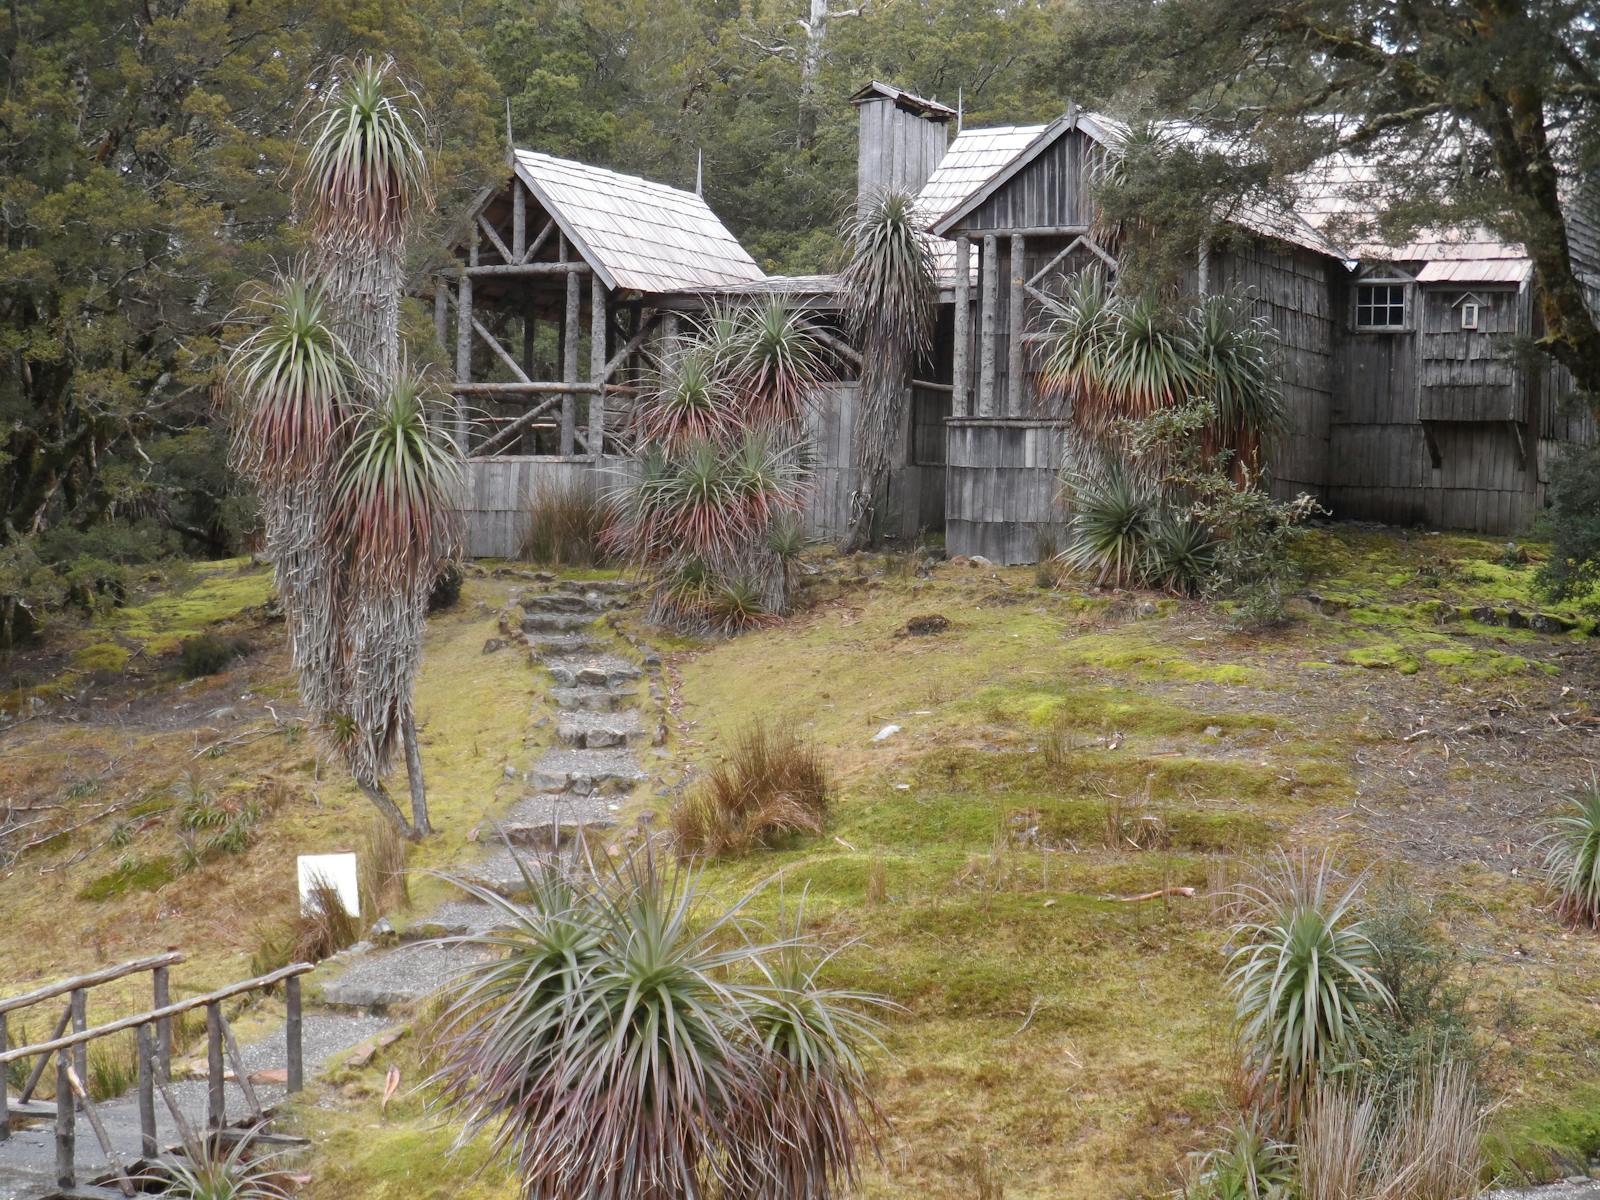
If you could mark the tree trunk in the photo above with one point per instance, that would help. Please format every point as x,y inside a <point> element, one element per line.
<point>420,827</point>
<point>386,805</point>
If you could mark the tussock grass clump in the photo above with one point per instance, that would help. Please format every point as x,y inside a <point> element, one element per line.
<point>1249,1165</point>
<point>1571,848</point>
<point>562,526</point>
<point>322,929</point>
<point>113,1066</point>
<point>771,787</point>
<point>385,886</point>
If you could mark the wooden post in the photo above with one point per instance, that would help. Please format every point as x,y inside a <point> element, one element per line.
<point>162,989</point>
<point>1018,401</point>
<point>216,1096</point>
<point>65,1150</point>
<point>961,378</point>
<point>464,340</point>
<point>519,221</point>
<point>80,1022</point>
<point>292,1031</point>
<point>986,305</point>
<point>5,1091</point>
<point>441,311</point>
<point>597,366</point>
<point>569,363</point>
<point>147,1092</point>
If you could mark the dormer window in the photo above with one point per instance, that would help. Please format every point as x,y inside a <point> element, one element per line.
<point>1381,307</point>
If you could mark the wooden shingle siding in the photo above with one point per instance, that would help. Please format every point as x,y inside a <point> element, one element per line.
<point>1469,374</point>
<point>897,149</point>
<point>1051,191</point>
<point>1291,289</point>
<point>499,489</point>
<point>1002,489</point>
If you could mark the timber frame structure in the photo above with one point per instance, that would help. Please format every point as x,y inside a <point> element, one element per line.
<point>1407,401</point>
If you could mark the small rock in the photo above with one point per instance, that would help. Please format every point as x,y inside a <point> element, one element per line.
<point>493,645</point>
<point>382,931</point>
<point>510,772</point>
<point>978,560</point>
<point>887,732</point>
<point>660,737</point>
<point>652,660</point>
<point>1213,731</point>
<point>961,560</point>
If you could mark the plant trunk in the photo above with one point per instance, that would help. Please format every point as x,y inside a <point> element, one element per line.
<point>420,828</point>
<point>385,804</point>
<point>884,377</point>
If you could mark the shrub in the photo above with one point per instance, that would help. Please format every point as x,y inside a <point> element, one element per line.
<point>446,591</point>
<point>771,787</point>
<point>209,653</point>
<point>563,526</point>
<point>1571,848</point>
<point>1573,568</point>
<point>620,1041</point>
<point>1302,974</point>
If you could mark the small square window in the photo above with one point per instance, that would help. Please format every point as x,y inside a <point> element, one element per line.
<point>1469,315</point>
<point>1381,306</point>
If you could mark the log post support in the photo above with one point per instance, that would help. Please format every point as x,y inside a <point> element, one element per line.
<point>569,363</point>
<point>986,306</point>
<point>148,1147</point>
<point>519,220</point>
<point>1017,398</point>
<point>961,377</point>
<point>464,342</point>
<point>216,1096</point>
<point>5,1090</point>
<point>80,1022</point>
<point>597,366</point>
<point>66,1175</point>
<point>441,312</point>
<point>161,994</point>
<point>292,1028</point>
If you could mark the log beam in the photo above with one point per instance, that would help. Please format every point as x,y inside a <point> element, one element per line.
<point>597,367</point>
<point>1017,391</point>
<point>519,222</point>
<point>961,366</point>
<point>987,302</point>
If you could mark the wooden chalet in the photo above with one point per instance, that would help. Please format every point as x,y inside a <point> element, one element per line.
<point>1408,402</point>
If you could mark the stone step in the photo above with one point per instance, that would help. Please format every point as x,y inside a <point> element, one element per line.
<point>595,699</point>
<point>545,645</point>
<point>600,730</point>
<point>409,973</point>
<point>502,871</point>
<point>585,772</point>
<point>622,588</point>
<point>459,918</point>
<point>557,602</point>
<point>556,622</point>
<point>595,670</point>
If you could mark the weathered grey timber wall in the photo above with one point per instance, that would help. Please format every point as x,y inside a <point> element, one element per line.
<point>1051,191</point>
<point>914,500</point>
<point>897,147</point>
<point>498,491</point>
<point>1291,288</point>
<point>1468,374</point>
<point>1002,487</point>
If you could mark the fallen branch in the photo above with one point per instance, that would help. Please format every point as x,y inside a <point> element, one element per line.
<point>1187,892</point>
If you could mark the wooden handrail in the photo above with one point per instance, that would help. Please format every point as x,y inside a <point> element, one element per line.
<point>158,1014</point>
<point>94,979</point>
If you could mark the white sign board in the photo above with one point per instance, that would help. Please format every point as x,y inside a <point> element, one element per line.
<point>339,870</point>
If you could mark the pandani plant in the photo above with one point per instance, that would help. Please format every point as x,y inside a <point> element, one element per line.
<point>339,435</point>
<point>724,473</point>
<point>890,299</point>
<point>624,1038</point>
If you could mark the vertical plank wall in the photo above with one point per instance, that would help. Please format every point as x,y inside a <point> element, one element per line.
<point>1002,486</point>
<point>498,491</point>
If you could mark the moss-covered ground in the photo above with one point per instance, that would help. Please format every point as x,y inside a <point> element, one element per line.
<point>1058,751</point>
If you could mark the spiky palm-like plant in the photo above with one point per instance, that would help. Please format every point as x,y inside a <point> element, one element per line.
<point>396,518</point>
<point>890,297</point>
<point>622,1042</point>
<point>288,379</point>
<point>779,363</point>
<point>1078,337</point>
<point>1113,510</point>
<point>217,1171</point>
<point>1301,969</point>
<point>690,399</point>
<point>1571,848</point>
<point>1235,362</point>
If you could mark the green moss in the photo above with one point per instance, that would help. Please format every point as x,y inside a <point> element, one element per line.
<point>219,592</point>
<point>127,878</point>
<point>1469,665</point>
<point>1102,708</point>
<point>101,656</point>
<point>1144,657</point>
<point>1385,656</point>
<point>1528,1143</point>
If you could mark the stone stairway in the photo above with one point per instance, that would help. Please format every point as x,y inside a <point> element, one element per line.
<point>575,788</point>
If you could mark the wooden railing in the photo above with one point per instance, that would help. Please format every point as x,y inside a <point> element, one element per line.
<point>153,1034</point>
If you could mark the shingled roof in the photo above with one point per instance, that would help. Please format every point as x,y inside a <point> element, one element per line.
<point>637,234</point>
